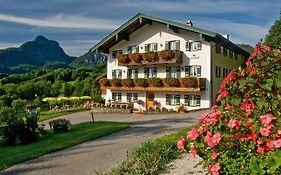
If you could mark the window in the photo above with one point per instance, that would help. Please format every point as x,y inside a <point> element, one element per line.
<point>172,45</point>
<point>117,73</point>
<point>194,71</point>
<point>150,47</point>
<point>224,72</point>
<point>172,99</point>
<point>192,100</point>
<point>218,48</point>
<point>235,56</point>
<point>225,51</point>
<point>115,53</point>
<point>132,97</point>
<point>116,97</point>
<point>150,72</point>
<point>132,73</point>
<point>230,54</point>
<point>133,49</point>
<point>173,72</point>
<point>218,71</point>
<point>193,46</point>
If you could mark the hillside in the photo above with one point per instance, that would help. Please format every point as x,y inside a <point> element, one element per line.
<point>89,59</point>
<point>32,54</point>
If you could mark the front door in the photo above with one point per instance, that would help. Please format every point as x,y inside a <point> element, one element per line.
<point>150,96</point>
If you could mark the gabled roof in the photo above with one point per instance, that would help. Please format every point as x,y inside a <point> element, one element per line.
<point>142,19</point>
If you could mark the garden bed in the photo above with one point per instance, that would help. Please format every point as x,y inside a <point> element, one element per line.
<point>102,110</point>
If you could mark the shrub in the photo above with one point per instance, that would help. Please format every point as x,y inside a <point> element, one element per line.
<point>155,82</point>
<point>115,82</point>
<point>166,54</point>
<point>163,109</point>
<point>241,134</point>
<point>60,125</point>
<point>190,82</point>
<point>181,109</point>
<point>104,82</point>
<point>135,57</point>
<point>141,82</point>
<point>123,58</point>
<point>150,56</point>
<point>172,82</point>
<point>127,82</point>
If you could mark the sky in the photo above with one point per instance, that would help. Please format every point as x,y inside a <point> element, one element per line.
<point>79,24</point>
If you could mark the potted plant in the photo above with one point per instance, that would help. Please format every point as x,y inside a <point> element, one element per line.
<point>141,82</point>
<point>115,82</point>
<point>172,82</point>
<point>123,58</point>
<point>135,57</point>
<point>155,82</point>
<point>150,56</point>
<point>127,82</point>
<point>166,54</point>
<point>190,82</point>
<point>104,82</point>
<point>181,109</point>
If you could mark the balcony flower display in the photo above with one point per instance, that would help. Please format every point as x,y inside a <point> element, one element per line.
<point>172,82</point>
<point>123,58</point>
<point>190,82</point>
<point>135,57</point>
<point>104,82</point>
<point>127,82</point>
<point>166,54</point>
<point>155,82</point>
<point>115,82</point>
<point>141,82</point>
<point>150,56</point>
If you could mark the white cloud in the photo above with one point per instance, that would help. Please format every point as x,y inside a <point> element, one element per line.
<point>64,21</point>
<point>7,45</point>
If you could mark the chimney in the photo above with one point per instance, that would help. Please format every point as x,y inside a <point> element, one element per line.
<point>226,37</point>
<point>189,23</point>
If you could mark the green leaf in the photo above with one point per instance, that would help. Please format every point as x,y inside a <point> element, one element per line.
<point>267,84</point>
<point>255,167</point>
<point>277,80</point>
<point>261,103</point>
<point>242,83</point>
<point>235,101</point>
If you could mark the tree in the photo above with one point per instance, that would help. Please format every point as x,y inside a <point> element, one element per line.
<point>273,38</point>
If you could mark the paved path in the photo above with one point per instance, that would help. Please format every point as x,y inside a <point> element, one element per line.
<point>102,154</point>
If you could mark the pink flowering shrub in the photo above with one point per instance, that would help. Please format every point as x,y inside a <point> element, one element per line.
<point>242,132</point>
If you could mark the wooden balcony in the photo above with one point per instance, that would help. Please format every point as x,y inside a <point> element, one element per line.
<point>199,85</point>
<point>155,59</point>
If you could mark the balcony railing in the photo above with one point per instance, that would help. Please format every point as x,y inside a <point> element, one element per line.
<point>190,84</point>
<point>150,58</point>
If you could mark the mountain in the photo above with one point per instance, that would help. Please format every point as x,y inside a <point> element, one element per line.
<point>32,54</point>
<point>89,59</point>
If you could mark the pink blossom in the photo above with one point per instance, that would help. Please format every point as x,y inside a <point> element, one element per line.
<point>250,124</point>
<point>193,150</point>
<point>181,143</point>
<point>202,128</point>
<point>203,117</point>
<point>252,136</point>
<point>259,141</point>
<point>227,106</point>
<point>277,143</point>
<point>265,131</point>
<point>234,123</point>
<point>215,169</point>
<point>212,140</point>
<point>266,119</point>
<point>248,105</point>
<point>217,138</point>
<point>269,145</point>
<point>215,155</point>
<point>260,150</point>
<point>193,134</point>
<point>222,95</point>
<point>215,107</point>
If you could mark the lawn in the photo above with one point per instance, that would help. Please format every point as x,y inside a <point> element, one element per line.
<point>10,155</point>
<point>45,115</point>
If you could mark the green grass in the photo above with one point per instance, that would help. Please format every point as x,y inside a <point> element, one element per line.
<point>45,115</point>
<point>151,157</point>
<point>10,155</point>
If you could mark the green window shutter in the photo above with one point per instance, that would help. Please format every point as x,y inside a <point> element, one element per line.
<point>128,97</point>
<point>199,71</point>
<point>113,96</point>
<point>137,49</point>
<point>199,45</point>
<point>187,71</point>
<point>177,45</point>
<point>145,48</point>
<point>119,73</point>
<point>129,73</point>
<point>129,49</point>
<point>114,53</point>
<point>178,72</point>
<point>198,100</point>
<point>167,45</point>
<point>155,72</point>
<point>113,74</point>
<point>168,72</point>
<point>178,99</point>
<point>136,73</point>
<point>186,100</point>
<point>135,96</point>
<point>145,73</point>
<point>168,102</point>
<point>155,47</point>
<point>187,47</point>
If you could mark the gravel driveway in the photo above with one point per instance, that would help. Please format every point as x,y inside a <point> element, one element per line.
<point>102,154</point>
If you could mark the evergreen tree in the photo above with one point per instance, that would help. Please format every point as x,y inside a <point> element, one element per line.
<point>273,38</point>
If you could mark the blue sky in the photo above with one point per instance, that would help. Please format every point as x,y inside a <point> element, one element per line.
<point>79,24</point>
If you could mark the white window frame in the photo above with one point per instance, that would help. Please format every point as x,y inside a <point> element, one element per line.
<point>133,74</point>
<point>193,71</point>
<point>193,46</point>
<point>117,73</point>
<point>132,97</point>
<point>151,72</point>
<point>116,96</point>
<point>152,47</point>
